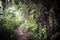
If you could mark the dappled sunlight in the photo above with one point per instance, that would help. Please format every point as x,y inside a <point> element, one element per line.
<point>14,12</point>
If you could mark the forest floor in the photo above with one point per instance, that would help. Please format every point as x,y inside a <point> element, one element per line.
<point>22,34</point>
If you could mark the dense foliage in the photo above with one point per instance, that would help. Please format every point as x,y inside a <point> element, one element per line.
<point>36,17</point>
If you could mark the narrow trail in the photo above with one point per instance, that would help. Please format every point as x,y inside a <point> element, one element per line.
<point>21,33</point>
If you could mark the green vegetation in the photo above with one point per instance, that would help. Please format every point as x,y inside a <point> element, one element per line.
<point>35,17</point>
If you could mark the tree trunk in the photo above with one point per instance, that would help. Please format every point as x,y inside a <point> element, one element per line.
<point>46,13</point>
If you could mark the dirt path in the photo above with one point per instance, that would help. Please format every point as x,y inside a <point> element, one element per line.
<point>21,33</point>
